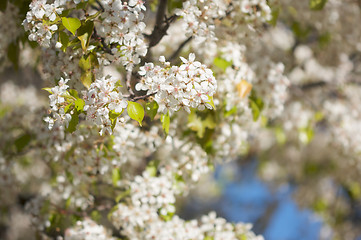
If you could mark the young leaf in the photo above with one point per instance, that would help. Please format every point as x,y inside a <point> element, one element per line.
<point>79,104</point>
<point>64,40</point>
<point>73,122</point>
<point>151,109</point>
<point>84,33</point>
<point>211,102</point>
<point>113,117</point>
<point>256,104</point>
<point>72,24</point>
<point>116,176</point>
<point>87,78</point>
<point>317,5</point>
<point>48,90</point>
<point>165,119</point>
<point>13,54</point>
<point>135,111</point>
<point>22,141</point>
<point>221,63</point>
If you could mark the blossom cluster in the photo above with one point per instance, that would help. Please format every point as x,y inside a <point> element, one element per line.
<point>122,25</point>
<point>40,19</point>
<point>87,229</point>
<point>199,18</point>
<point>190,85</point>
<point>152,226</point>
<point>102,97</point>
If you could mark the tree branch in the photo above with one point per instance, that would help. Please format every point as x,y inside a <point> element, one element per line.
<point>181,46</point>
<point>161,25</point>
<point>128,83</point>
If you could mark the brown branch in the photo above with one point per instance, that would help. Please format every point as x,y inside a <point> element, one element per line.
<point>128,83</point>
<point>161,25</point>
<point>178,51</point>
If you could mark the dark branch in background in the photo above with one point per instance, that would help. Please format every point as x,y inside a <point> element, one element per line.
<point>100,5</point>
<point>161,24</point>
<point>104,46</point>
<point>141,97</point>
<point>312,85</point>
<point>129,84</point>
<point>178,51</point>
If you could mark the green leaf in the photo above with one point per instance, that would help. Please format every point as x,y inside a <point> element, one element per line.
<point>135,111</point>
<point>317,5</point>
<point>73,93</point>
<point>87,63</point>
<point>67,107</point>
<point>173,4</point>
<point>3,4</point>
<point>256,104</point>
<point>230,112</point>
<point>199,125</point>
<point>64,40</point>
<point>211,102</point>
<point>299,31</point>
<point>73,122</point>
<point>13,54</point>
<point>275,13</point>
<point>165,119</point>
<point>79,104</point>
<point>87,78</point>
<point>84,33</point>
<point>22,142</point>
<point>221,63</point>
<point>48,90</point>
<point>151,109</point>
<point>324,39</point>
<point>72,24</point>
<point>116,176</point>
<point>113,117</point>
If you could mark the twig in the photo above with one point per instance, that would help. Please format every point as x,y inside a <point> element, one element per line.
<point>128,83</point>
<point>136,98</point>
<point>161,25</point>
<point>104,45</point>
<point>100,5</point>
<point>181,46</point>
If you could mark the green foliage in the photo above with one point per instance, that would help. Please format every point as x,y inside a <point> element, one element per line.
<point>84,34</point>
<point>152,168</point>
<point>113,117</point>
<point>324,39</point>
<point>22,141</point>
<point>173,4</point>
<point>256,104</point>
<point>299,31</point>
<point>165,119</point>
<point>73,122</point>
<point>151,108</point>
<point>64,40</point>
<point>13,54</point>
<point>211,102</point>
<point>317,5</point>
<point>79,104</point>
<point>116,176</point>
<point>275,13</point>
<point>221,63</point>
<point>87,63</point>
<point>135,111</point>
<point>199,124</point>
<point>72,24</point>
